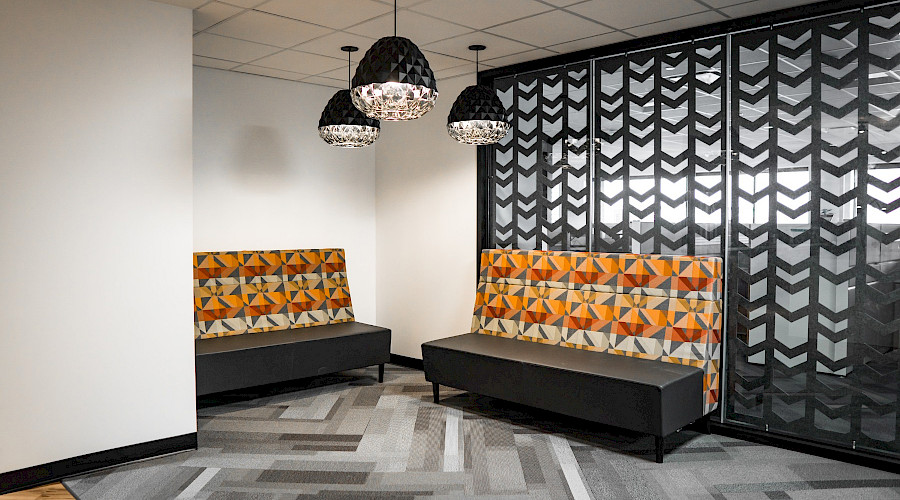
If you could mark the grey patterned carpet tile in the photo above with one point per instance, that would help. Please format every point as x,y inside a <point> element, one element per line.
<point>346,436</point>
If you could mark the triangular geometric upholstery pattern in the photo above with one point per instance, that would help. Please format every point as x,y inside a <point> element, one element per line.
<point>659,307</point>
<point>260,291</point>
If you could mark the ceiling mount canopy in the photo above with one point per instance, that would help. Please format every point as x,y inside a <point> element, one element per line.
<point>343,125</point>
<point>393,80</point>
<point>477,116</point>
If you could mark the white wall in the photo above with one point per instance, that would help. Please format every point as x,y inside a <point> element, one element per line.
<point>263,179</point>
<point>95,215</point>
<point>426,228</point>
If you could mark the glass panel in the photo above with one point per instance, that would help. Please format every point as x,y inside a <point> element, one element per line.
<point>540,179</point>
<point>813,289</point>
<point>814,258</point>
<point>660,139</point>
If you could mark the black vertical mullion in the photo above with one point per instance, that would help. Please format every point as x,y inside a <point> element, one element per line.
<point>627,232</point>
<point>594,142</point>
<point>565,191</point>
<point>543,171</point>
<point>815,226</point>
<point>515,215</point>
<point>657,93</point>
<point>589,158</point>
<point>690,185</point>
<point>771,254</point>
<point>732,293</point>
<point>857,323</point>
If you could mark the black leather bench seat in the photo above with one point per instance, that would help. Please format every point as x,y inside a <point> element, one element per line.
<point>240,361</point>
<point>641,395</point>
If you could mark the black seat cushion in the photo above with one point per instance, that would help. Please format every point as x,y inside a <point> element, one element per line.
<point>240,361</point>
<point>643,395</point>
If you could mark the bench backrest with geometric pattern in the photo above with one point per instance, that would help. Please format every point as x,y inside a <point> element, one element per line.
<point>659,307</point>
<point>259,291</point>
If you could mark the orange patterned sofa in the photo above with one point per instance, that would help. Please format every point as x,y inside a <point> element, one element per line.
<point>627,340</point>
<point>262,317</point>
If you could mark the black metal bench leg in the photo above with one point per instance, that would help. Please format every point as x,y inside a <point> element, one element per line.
<point>436,389</point>
<point>660,448</point>
<point>381,372</point>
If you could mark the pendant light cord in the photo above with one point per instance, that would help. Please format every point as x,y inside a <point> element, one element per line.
<point>395,18</point>
<point>476,61</point>
<point>349,64</point>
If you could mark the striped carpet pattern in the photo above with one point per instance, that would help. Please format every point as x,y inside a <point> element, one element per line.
<point>348,437</point>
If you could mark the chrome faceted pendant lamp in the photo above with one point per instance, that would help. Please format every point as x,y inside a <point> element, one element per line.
<point>477,116</point>
<point>343,125</point>
<point>393,80</point>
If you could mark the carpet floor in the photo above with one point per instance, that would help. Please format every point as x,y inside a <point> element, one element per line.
<point>348,437</point>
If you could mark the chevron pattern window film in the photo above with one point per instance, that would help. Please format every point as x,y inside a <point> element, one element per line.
<point>814,289</point>
<point>660,143</point>
<point>541,173</point>
<point>775,148</point>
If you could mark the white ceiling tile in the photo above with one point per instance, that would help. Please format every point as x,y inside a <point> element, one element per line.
<point>547,29</point>
<point>625,14</point>
<point>717,4</point>
<point>190,4</point>
<point>591,42</point>
<point>247,4</point>
<point>222,47</point>
<point>443,67</point>
<point>459,46</point>
<point>208,62</point>
<point>440,61</point>
<point>327,82</point>
<point>265,28</point>
<point>336,14</point>
<point>418,28</point>
<point>454,72</point>
<point>401,4</point>
<point>685,22</point>
<point>274,73</point>
<point>301,62</point>
<point>330,45</point>
<point>213,13</point>
<point>563,3</point>
<point>761,6</point>
<point>340,73</point>
<point>480,14</point>
<point>529,55</point>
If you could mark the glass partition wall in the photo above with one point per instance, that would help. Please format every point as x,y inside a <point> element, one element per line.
<point>775,148</point>
<point>541,170</point>
<point>814,256</point>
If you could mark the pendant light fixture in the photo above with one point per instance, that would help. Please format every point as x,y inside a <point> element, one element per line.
<point>343,125</point>
<point>477,116</point>
<point>393,80</point>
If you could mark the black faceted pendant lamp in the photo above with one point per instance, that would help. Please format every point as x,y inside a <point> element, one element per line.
<point>343,125</point>
<point>477,116</point>
<point>393,80</point>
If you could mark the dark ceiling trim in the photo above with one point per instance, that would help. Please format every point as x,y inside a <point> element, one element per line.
<point>799,13</point>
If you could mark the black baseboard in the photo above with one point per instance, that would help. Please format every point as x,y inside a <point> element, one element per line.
<point>406,361</point>
<point>39,475</point>
<point>866,459</point>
